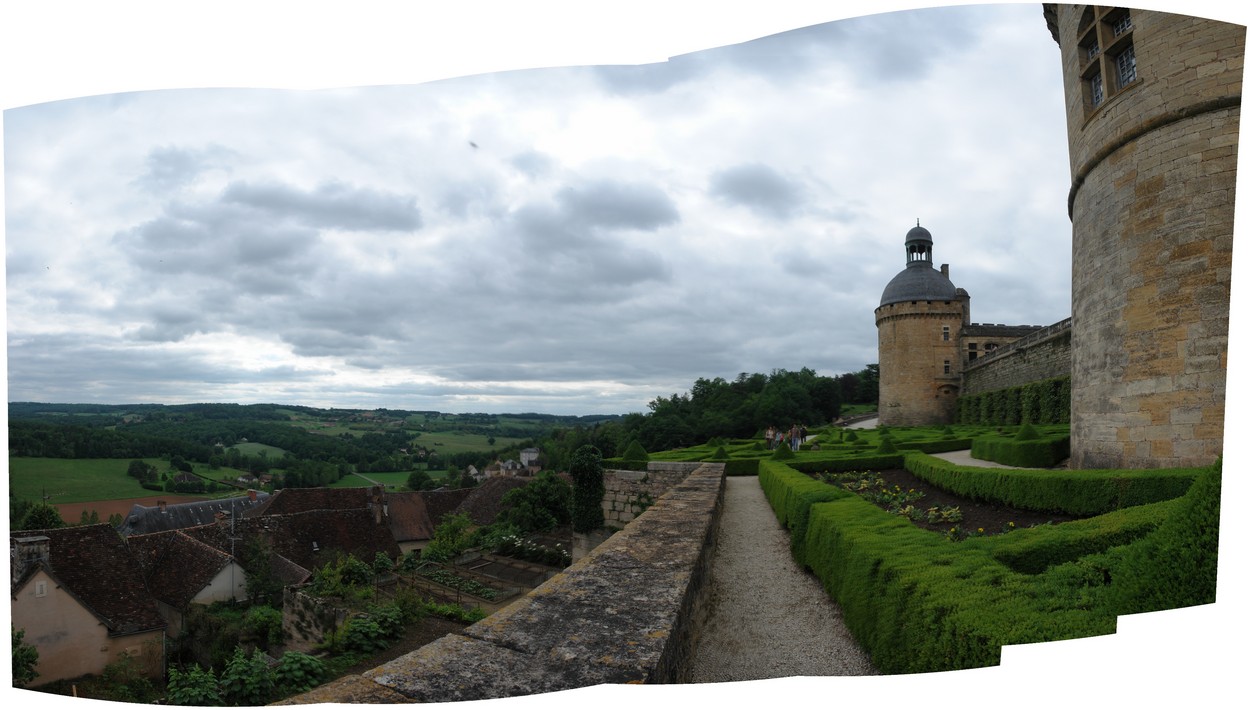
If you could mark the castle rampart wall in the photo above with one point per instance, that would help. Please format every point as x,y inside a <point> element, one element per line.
<point>1042,355</point>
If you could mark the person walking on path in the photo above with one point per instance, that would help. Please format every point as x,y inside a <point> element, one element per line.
<point>768,618</point>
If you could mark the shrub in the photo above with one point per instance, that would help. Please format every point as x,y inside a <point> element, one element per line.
<point>720,454</point>
<point>782,453</point>
<point>1175,565</point>
<point>297,673</point>
<point>264,623</point>
<point>635,452</point>
<point>247,680</point>
<point>194,687</point>
<point>25,658</point>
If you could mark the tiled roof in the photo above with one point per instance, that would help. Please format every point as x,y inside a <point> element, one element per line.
<point>309,539</point>
<point>483,503</point>
<point>408,516</point>
<point>301,500</point>
<point>440,504</point>
<point>94,565</point>
<point>176,565</point>
<point>149,519</point>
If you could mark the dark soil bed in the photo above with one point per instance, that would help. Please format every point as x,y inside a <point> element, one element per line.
<point>988,517</point>
<point>430,629</point>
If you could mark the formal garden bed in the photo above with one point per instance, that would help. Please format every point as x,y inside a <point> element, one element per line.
<point>901,492</point>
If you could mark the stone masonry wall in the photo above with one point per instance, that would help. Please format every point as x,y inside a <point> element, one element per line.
<point>628,493</point>
<point>629,612</point>
<point>1153,182</point>
<point>1040,356</point>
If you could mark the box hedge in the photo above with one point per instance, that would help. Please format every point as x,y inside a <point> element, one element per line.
<point>1080,493</point>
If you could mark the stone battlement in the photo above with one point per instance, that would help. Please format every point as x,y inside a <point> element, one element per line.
<point>629,612</point>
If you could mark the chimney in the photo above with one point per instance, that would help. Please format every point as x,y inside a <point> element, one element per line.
<point>946,270</point>
<point>161,504</point>
<point>27,552</point>
<point>378,504</point>
<point>251,494</point>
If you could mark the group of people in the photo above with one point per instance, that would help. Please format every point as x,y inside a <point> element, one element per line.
<point>775,437</point>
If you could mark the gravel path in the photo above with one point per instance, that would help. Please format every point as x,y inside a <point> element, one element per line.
<point>769,619</point>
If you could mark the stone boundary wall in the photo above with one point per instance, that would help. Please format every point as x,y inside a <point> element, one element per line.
<point>1041,355</point>
<point>629,612</point>
<point>628,493</point>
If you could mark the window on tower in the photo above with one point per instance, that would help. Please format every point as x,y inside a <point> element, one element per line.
<point>946,333</point>
<point>1105,49</point>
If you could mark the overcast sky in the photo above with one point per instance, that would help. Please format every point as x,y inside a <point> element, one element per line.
<point>567,240</point>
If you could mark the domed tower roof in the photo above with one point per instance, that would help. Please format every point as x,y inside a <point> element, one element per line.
<point>919,281</point>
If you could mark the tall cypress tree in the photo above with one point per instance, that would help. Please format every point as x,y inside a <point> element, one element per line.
<point>587,471</point>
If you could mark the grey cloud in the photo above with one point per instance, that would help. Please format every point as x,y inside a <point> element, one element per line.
<point>171,167</point>
<point>618,205</point>
<point>759,188</point>
<point>332,205</point>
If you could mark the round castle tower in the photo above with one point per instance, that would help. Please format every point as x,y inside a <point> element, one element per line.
<point>918,325</point>
<point>1153,107</point>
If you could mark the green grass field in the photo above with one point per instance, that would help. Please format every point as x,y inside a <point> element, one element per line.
<point>273,453</point>
<point>75,480</point>
<point>444,442</point>
<point>86,480</point>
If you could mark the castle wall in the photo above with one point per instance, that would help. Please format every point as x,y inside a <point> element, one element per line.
<point>919,371</point>
<point>1154,174</point>
<point>1042,355</point>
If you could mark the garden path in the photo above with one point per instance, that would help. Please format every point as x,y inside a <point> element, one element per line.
<point>768,618</point>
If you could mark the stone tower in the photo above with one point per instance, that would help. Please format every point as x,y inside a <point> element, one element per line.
<point>1153,105</point>
<point>918,325</point>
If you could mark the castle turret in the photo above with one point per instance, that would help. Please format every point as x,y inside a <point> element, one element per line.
<point>1153,109</point>
<point>918,325</point>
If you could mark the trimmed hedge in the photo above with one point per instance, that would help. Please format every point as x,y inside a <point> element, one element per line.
<point>1026,453</point>
<point>1033,550</point>
<point>791,495</point>
<point>1175,565</point>
<point>1041,402</point>
<point>917,602</point>
<point>1080,493</point>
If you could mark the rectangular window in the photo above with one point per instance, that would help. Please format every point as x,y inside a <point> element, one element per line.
<point>1091,51</point>
<point>1122,25</point>
<point>972,355</point>
<point>41,589</point>
<point>946,333</point>
<point>1095,89</point>
<point>946,367</point>
<point>1126,66</point>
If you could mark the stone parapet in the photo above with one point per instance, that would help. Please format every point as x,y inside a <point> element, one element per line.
<point>629,612</point>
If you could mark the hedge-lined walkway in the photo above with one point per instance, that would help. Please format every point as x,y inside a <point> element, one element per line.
<point>769,619</point>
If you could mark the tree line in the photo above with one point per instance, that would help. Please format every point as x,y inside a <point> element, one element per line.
<point>741,408</point>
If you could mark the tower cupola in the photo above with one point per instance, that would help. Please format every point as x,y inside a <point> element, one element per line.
<point>919,281</point>
<point>919,245</point>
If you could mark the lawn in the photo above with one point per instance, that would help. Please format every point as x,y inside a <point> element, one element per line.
<point>75,480</point>
<point>396,480</point>
<point>446,442</point>
<point>250,448</point>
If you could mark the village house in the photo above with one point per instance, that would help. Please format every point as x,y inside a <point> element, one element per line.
<point>79,595</point>
<point>180,570</point>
